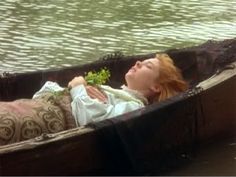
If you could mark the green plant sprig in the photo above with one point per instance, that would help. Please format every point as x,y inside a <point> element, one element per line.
<point>92,78</point>
<point>97,78</point>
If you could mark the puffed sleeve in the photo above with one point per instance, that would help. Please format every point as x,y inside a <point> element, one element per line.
<point>49,86</point>
<point>86,109</point>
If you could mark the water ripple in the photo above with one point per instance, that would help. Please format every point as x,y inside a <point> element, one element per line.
<point>36,35</point>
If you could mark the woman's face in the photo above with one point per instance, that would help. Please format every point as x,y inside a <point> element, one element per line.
<point>143,75</point>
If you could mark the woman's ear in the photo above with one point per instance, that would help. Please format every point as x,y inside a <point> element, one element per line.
<point>156,88</point>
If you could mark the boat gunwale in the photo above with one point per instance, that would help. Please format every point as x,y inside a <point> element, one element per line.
<point>47,139</point>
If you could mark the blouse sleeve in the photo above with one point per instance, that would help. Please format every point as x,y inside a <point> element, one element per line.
<point>49,86</point>
<point>86,110</point>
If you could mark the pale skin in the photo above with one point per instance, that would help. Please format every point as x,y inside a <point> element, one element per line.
<point>93,92</point>
<point>142,77</point>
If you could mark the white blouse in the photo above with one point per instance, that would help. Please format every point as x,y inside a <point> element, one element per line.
<point>86,110</point>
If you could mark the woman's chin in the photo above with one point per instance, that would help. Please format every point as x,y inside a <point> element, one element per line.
<point>129,76</point>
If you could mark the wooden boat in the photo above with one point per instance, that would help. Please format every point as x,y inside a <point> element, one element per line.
<point>140,142</point>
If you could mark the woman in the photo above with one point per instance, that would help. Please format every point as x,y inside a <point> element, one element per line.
<point>151,80</point>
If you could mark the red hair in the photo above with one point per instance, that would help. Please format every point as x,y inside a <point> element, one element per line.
<point>170,78</point>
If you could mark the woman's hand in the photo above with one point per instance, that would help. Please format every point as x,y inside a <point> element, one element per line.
<point>77,81</point>
<point>94,93</point>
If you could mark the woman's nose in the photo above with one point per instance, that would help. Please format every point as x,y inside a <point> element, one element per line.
<point>138,63</point>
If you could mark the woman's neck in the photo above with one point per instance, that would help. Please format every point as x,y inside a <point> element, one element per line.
<point>141,94</point>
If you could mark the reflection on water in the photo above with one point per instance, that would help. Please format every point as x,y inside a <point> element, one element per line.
<point>40,34</point>
<point>213,159</point>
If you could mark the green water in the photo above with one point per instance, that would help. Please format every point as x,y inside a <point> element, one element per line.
<point>42,34</point>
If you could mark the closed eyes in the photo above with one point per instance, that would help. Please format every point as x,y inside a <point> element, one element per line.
<point>149,64</point>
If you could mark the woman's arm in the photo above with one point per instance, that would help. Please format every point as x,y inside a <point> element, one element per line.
<point>92,91</point>
<point>86,110</point>
<point>95,93</point>
<point>87,107</point>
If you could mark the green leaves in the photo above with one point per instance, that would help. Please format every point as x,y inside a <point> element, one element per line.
<point>97,78</point>
<point>92,78</point>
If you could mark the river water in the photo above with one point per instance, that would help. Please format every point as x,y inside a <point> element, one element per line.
<point>216,158</point>
<point>43,34</point>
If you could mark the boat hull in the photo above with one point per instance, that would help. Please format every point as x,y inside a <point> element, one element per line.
<point>146,141</point>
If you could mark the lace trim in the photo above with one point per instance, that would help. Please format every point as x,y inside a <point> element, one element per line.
<point>136,94</point>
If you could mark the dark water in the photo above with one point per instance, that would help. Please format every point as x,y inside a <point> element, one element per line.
<point>41,34</point>
<point>216,158</point>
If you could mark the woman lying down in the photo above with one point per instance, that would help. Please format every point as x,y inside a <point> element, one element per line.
<point>148,81</point>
